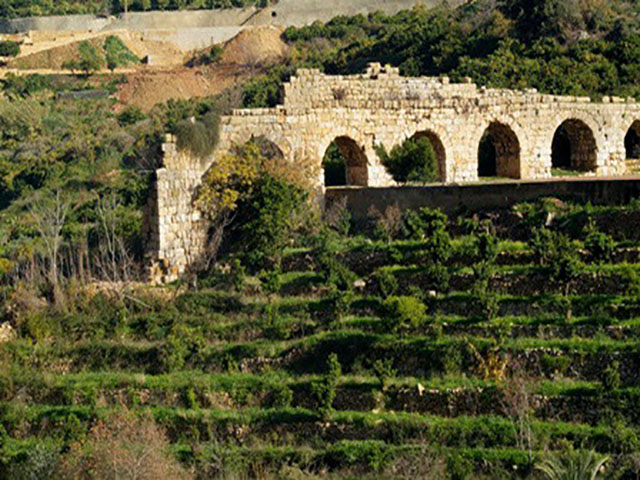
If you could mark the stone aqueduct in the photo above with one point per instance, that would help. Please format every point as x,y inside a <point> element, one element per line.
<point>528,133</point>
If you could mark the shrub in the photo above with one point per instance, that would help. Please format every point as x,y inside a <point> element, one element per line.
<point>123,445</point>
<point>485,299</point>
<point>339,302</point>
<point>412,161</point>
<point>131,115</point>
<point>332,270</point>
<point>270,214</point>
<point>599,245</point>
<point>41,462</point>
<point>117,54</point>
<point>401,313</point>
<point>90,59</point>
<point>9,49</point>
<point>182,344</point>
<point>572,464</point>
<point>324,389</point>
<point>564,264</point>
<point>610,377</point>
<point>423,223</point>
<point>199,137</point>
<point>277,327</point>
<point>486,246</point>
<point>383,370</point>
<point>388,225</point>
<point>439,277</point>
<point>385,281</point>
<point>542,243</point>
<point>338,217</point>
<point>271,281</point>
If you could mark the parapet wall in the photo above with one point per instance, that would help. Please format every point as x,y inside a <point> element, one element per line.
<point>362,201</point>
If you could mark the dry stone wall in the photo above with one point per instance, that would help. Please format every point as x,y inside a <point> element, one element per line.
<point>379,106</point>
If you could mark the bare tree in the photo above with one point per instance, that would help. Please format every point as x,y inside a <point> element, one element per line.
<point>113,259</point>
<point>517,404</point>
<point>49,214</point>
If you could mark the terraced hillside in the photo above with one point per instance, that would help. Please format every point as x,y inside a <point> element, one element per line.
<point>469,347</point>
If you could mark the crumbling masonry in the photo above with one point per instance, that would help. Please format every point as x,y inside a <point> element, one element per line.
<point>528,134</point>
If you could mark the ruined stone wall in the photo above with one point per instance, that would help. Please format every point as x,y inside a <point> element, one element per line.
<point>177,235</point>
<point>380,107</point>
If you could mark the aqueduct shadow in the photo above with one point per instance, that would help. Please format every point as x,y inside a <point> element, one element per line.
<point>574,147</point>
<point>499,152</point>
<point>632,141</point>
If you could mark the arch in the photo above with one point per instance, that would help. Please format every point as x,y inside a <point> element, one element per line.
<point>438,149</point>
<point>574,147</point>
<point>632,141</point>
<point>345,163</point>
<point>499,152</point>
<point>268,148</point>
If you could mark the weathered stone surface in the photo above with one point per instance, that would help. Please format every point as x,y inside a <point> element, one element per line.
<point>381,107</point>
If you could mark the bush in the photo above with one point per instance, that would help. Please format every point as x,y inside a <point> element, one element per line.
<point>9,49</point>
<point>184,343</point>
<point>423,223</point>
<point>564,264</point>
<point>385,281</point>
<point>117,54</point>
<point>413,161</point>
<point>383,370</point>
<point>610,378</point>
<point>439,277</point>
<point>599,245</point>
<point>486,247</point>
<point>130,116</point>
<point>91,60</point>
<point>339,302</point>
<point>324,389</point>
<point>402,313</point>
<point>270,215</point>
<point>542,243</point>
<point>123,446</point>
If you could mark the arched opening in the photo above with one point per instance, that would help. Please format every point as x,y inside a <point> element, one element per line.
<point>574,147</point>
<point>499,152</point>
<point>345,163</point>
<point>438,149</point>
<point>632,141</point>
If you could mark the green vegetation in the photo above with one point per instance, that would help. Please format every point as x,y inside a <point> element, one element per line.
<point>9,49</point>
<point>91,58</point>
<point>501,343</point>
<point>414,161</point>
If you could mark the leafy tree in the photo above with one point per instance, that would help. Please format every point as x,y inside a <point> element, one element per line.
<point>324,388</point>
<point>599,245</point>
<point>270,214</point>
<point>412,161</point>
<point>117,54</point>
<point>90,59</point>
<point>9,49</point>
<point>402,313</point>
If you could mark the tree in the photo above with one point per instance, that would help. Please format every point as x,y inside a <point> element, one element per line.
<point>412,161</point>
<point>49,212</point>
<point>90,59</point>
